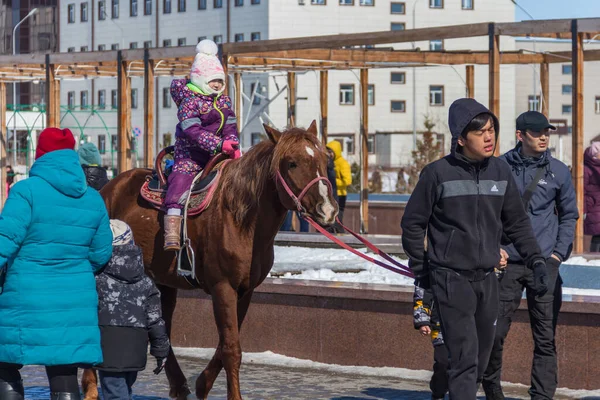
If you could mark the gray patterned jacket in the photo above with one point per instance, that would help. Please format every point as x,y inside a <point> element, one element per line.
<point>129,312</point>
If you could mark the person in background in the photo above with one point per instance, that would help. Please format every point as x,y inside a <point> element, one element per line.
<point>591,187</point>
<point>89,158</point>
<point>343,175</point>
<point>54,234</point>
<point>129,314</point>
<point>10,178</point>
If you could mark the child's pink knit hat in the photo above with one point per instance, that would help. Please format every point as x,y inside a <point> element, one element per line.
<point>207,67</point>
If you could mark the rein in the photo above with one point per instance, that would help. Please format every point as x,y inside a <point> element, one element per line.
<point>395,266</point>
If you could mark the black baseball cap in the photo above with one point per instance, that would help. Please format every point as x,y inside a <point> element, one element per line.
<point>534,121</point>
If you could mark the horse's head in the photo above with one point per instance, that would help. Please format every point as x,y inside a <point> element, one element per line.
<point>300,167</point>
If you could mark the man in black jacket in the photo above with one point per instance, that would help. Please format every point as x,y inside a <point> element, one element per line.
<point>463,202</point>
<point>548,195</point>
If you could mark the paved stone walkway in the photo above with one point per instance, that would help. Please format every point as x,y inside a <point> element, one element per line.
<point>269,382</point>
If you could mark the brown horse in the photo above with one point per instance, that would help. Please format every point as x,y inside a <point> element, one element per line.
<point>233,239</point>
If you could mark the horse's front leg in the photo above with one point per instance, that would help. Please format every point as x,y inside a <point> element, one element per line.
<point>89,384</point>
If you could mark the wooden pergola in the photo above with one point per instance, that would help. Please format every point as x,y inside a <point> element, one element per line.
<point>322,53</point>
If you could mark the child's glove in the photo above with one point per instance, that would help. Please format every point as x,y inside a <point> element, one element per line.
<point>160,365</point>
<point>231,147</point>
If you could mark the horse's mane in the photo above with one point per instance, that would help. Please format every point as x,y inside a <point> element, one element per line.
<point>244,180</point>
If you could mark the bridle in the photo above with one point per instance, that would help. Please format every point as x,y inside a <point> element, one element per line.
<point>297,199</point>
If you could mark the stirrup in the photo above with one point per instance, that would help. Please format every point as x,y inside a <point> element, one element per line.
<point>186,260</point>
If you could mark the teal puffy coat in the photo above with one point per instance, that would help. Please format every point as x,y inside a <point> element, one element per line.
<point>54,234</point>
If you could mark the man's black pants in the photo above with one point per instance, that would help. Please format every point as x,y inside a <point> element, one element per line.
<point>543,316</point>
<point>468,307</point>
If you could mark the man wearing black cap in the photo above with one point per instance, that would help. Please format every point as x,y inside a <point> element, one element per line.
<point>462,204</point>
<point>549,199</point>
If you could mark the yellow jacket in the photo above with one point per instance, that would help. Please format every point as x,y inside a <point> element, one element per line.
<point>343,174</point>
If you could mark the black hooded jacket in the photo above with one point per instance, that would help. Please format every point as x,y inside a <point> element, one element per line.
<point>463,207</point>
<point>95,176</point>
<point>129,313</point>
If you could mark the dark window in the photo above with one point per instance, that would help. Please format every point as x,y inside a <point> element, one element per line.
<point>254,1</point>
<point>84,12</point>
<point>101,10</point>
<point>436,3</point>
<point>148,7</point>
<point>346,2</point>
<point>398,78</point>
<point>567,109</point>
<point>436,95</point>
<point>114,142</point>
<point>467,4</point>
<point>218,39</point>
<point>201,38</point>
<point>71,100</point>
<point>102,144</point>
<point>218,3</point>
<point>71,8</point>
<point>114,46</point>
<point>201,4</point>
<point>166,6</point>
<point>367,2</point>
<point>371,95</point>
<point>101,47</point>
<point>114,99</point>
<point>115,8</point>
<point>147,44</point>
<point>567,89</point>
<point>71,50</point>
<point>255,36</point>
<point>347,94</point>
<point>83,49</point>
<point>134,98</point>
<point>239,37</point>
<point>398,106</point>
<point>167,43</point>
<point>181,42</point>
<point>398,8</point>
<point>180,5</point>
<point>239,3</point>
<point>398,26</point>
<point>133,45</point>
<point>255,138</point>
<point>101,99</point>
<point>256,100</point>
<point>567,69</point>
<point>166,98</point>
<point>133,8</point>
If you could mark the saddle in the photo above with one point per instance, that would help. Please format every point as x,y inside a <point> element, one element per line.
<point>154,188</point>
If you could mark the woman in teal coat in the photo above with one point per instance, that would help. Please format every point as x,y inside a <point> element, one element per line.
<point>54,234</point>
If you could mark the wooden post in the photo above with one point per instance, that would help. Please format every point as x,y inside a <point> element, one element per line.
<point>577,157</point>
<point>52,95</point>
<point>291,117</point>
<point>3,136</point>
<point>124,115</point>
<point>494,85</point>
<point>149,99</point>
<point>471,81</point>
<point>364,134</point>
<point>238,102</point>
<point>323,100</point>
<point>545,79</point>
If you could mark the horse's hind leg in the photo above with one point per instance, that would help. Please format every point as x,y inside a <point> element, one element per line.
<point>178,387</point>
<point>89,384</point>
<point>205,381</point>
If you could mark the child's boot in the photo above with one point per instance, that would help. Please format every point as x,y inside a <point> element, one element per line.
<point>172,232</point>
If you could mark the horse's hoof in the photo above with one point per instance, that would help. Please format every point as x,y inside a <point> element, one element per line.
<point>180,393</point>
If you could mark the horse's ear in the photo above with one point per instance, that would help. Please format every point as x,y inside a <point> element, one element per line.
<point>272,133</point>
<point>312,129</point>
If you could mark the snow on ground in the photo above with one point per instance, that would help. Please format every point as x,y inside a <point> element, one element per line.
<point>272,359</point>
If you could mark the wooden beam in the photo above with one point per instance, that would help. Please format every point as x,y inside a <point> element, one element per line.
<point>124,117</point>
<point>238,102</point>
<point>577,135</point>
<point>545,83</point>
<point>546,27</point>
<point>323,99</point>
<point>52,95</point>
<point>3,136</point>
<point>149,103</point>
<point>364,136</point>
<point>291,114</point>
<point>470,78</point>
<point>494,78</point>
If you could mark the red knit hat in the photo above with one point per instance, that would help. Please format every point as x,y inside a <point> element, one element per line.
<point>54,139</point>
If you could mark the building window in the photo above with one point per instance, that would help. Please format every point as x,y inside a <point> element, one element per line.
<point>367,2</point>
<point>567,109</point>
<point>180,5</point>
<point>101,47</point>
<point>114,99</point>
<point>398,8</point>
<point>239,3</point>
<point>255,138</point>
<point>201,4</point>
<point>567,89</point>
<point>166,98</point>
<point>255,36</point>
<point>239,37</point>
<point>167,43</point>
<point>436,95</point>
<point>115,8</point>
<point>218,3</point>
<point>467,4</point>
<point>346,2</point>
<point>258,88</point>
<point>147,44</point>
<point>167,139</point>
<point>533,103</point>
<point>436,3</point>
<point>318,2</point>
<point>254,2</point>
<point>114,142</point>
<point>101,144</point>
<point>398,78</point>
<point>114,46</point>
<point>102,99</point>
<point>71,50</point>
<point>84,12</point>
<point>83,49</point>
<point>133,8</point>
<point>148,7</point>
<point>134,98</point>
<point>597,105</point>
<point>436,45</point>
<point>398,26</point>
<point>71,19</point>
<point>567,69</point>
<point>218,39</point>
<point>398,106</point>
<point>166,6</point>
<point>101,10</point>
<point>201,38</point>
<point>71,100</point>
<point>181,42</point>
<point>371,144</point>
<point>133,45</point>
<point>347,94</point>
<point>371,95</point>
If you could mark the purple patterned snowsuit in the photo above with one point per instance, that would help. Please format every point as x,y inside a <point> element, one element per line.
<point>204,123</point>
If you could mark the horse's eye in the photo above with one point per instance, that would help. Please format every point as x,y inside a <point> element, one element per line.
<point>292,165</point>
